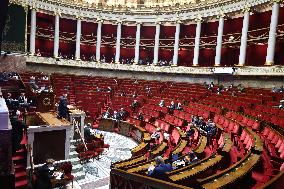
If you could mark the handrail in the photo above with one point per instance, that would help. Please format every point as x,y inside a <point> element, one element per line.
<point>148,181</point>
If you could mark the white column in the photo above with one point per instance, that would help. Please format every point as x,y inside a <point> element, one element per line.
<point>99,39</point>
<point>176,46</point>
<point>219,41</point>
<point>117,47</point>
<point>243,47</point>
<point>197,42</point>
<point>56,36</point>
<point>157,41</point>
<point>272,34</point>
<point>78,40</point>
<point>33,32</point>
<point>137,43</point>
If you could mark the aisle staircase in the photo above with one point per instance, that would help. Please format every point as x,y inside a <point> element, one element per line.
<point>19,161</point>
<point>77,170</point>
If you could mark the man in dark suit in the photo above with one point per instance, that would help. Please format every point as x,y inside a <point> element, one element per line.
<point>62,107</point>
<point>44,174</point>
<point>160,170</point>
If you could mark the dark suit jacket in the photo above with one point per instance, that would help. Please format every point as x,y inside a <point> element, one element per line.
<point>43,178</point>
<point>160,171</point>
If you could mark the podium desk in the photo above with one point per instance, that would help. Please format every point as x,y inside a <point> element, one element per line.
<point>48,137</point>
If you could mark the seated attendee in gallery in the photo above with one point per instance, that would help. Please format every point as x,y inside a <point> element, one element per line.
<point>159,171</point>
<point>162,103</point>
<point>134,105</point>
<point>140,117</point>
<point>116,116</point>
<point>123,114</point>
<point>106,114</point>
<point>281,104</point>
<point>179,106</point>
<point>44,174</point>
<point>171,107</point>
<point>62,107</point>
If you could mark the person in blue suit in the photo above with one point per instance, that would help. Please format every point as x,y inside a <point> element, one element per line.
<point>160,170</point>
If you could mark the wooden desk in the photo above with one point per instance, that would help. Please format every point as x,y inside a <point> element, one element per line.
<point>179,148</point>
<point>258,143</point>
<point>130,161</point>
<point>228,143</point>
<point>201,145</point>
<point>224,179</point>
<point>139,148</point>
<point>50,118</point>
<point>196,169</point>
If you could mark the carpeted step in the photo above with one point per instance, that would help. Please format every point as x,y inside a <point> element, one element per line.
<point>19,176</point>
<point>19,168</point>
<point>21,184</point>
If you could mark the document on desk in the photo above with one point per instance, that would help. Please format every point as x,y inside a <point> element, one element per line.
<point>58,175</point>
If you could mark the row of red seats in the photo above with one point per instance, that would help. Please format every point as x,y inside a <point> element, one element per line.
<point>274,142</point>
<point>243,120</point>
<point>195,111</point>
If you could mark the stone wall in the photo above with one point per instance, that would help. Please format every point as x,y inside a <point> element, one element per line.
<point>248,81</point>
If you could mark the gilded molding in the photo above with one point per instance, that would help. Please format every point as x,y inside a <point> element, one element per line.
<point>242,70</point>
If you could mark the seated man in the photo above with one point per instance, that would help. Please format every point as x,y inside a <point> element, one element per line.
<point>88,132</point>
<point>179,107</point>
<point>160,170</point>
<point>281,104</point>
<point>123,114</point>
<point>162,103</point>
<point>134,104</point>
<point>172,107</point>
<point>44,175</point>
<point>106,115</point>
<point>116,115</point>
<point>140,117</point>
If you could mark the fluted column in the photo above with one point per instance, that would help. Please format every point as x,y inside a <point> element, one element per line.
<point>243,47</point>
<point>176,46</point>
<point>219,41</point>
<point>78,39</point>
<point>137,43</point>
<point>33,32</point>
<point>56,36</point>
<point>99,39</point>
<point>157,41</point>
<point>117,47</point>
<point>272,34</point>
<point>197,42</point>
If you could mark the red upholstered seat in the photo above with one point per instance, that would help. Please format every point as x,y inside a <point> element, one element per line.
<point>256,125</point>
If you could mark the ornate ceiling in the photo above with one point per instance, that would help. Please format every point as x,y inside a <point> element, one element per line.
<point>146,11</point>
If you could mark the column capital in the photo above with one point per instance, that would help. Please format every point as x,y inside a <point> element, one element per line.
<point>221,14</point>
<point>246,9</point>
<point>57,12</point>
<point>138,23</point>
<point>79,16</point>
<point>198,18</point>
<point>100,20</point>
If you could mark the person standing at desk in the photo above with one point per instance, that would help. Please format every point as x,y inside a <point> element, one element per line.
<point>62,107</point>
